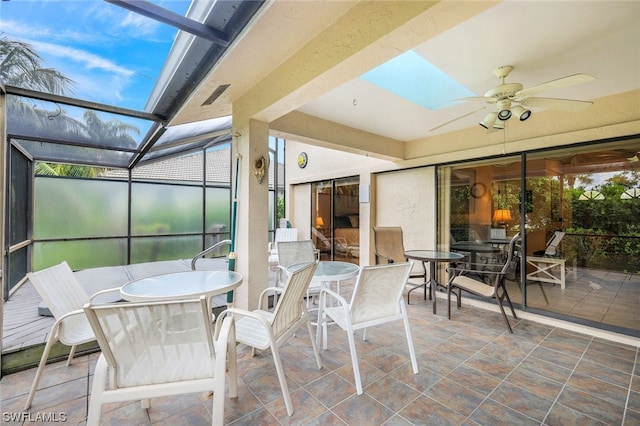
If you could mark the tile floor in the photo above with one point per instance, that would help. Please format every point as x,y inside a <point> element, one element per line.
<point>607,297</point>
<point>472,372</point>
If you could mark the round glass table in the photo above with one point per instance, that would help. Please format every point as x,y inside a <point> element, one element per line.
<point>474,249</point>
<point>181,285</point>
<point>330,271</point>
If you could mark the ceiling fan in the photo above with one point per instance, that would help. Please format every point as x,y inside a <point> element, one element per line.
<point>512,99</point>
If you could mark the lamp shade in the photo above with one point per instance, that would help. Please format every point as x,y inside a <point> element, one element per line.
<point>501,215</point>
<point>521,112</point>
<point>504,109</point>
<point>319,222</point>
<point>489,120</point>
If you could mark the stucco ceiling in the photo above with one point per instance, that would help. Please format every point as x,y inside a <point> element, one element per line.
<point>305,60</point>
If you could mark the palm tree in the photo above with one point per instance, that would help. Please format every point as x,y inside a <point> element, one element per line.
<point>114,132</point>
<point>21,66</point>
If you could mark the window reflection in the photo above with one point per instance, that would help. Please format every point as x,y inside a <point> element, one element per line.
<point>589,195</point>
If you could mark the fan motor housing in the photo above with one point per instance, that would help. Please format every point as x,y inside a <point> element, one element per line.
<point>508,90</point>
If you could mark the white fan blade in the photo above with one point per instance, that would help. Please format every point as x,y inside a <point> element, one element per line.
<point>457,118</point>
<point>555,84</point>
<point>553,103</point>
<point>489,100</point>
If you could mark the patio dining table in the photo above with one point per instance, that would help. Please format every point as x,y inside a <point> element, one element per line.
<point>329,271</point>
<point>181,285</point>
<point>474,248</point>
<point>432,257</point>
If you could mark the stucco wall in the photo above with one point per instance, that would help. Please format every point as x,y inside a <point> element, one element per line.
<point>405,198</point>
<point>325,163</point>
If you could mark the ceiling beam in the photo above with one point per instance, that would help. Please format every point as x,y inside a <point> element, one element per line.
<point>157,13</point>
<point>316,131</point>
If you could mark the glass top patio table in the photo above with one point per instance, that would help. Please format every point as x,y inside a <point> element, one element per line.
<point>474,248</point>
<point>181,285</point>
<point>330,271</point>
<point>432,257</point>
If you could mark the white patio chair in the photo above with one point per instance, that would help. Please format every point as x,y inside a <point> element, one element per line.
<point>282,234</point>
<point>65,297</point>
<point>262,329</point>
<point>376,299</point>
<point>158,349</point>
<point>292,253</point>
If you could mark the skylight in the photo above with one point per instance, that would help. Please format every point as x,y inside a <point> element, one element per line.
<point>412,77</point>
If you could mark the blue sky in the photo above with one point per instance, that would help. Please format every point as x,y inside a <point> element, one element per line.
<point>114,56</point>
<point>412,77</point>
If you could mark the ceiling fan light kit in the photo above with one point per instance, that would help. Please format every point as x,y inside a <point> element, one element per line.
<point>521,113</point>
<point>489,120</point>
<point>504,113</point>
<point>506,94</point>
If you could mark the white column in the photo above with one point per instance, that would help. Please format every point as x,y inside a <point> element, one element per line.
<point>251,141</point>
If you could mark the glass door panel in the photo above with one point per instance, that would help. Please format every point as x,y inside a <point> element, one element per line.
<point>335,223</point>
<point>480,211</point>
<point>589,199</point>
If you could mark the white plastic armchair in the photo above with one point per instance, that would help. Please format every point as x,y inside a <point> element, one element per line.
<point>262,329</point>
<point>376,299</point>
<point>158,349</point>
<point>282,234</point>
<point>292,253</point>
<point>65,297</point>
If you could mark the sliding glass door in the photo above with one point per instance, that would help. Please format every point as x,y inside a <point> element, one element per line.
<point>589,199</point>
<point>335,224</point>
<point>578,212</point>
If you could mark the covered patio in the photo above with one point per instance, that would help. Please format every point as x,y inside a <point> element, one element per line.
<point>554,369</point>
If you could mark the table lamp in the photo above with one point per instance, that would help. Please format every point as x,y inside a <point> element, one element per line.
<point>502,216</point>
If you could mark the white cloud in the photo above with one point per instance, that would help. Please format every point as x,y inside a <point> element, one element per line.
<point>106,90</point>
<point>88,59</point>
<point>23,31</point>
<point>139,25</point>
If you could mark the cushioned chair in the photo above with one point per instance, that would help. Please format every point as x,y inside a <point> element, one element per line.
<point>65,297</point>
<point>158,349</point>
<point>389,248</point>
<point>262,329</point>
<point>376,299</point>
<point>487,282</point>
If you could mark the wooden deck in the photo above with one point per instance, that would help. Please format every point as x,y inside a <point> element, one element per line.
<point>23,326</point>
